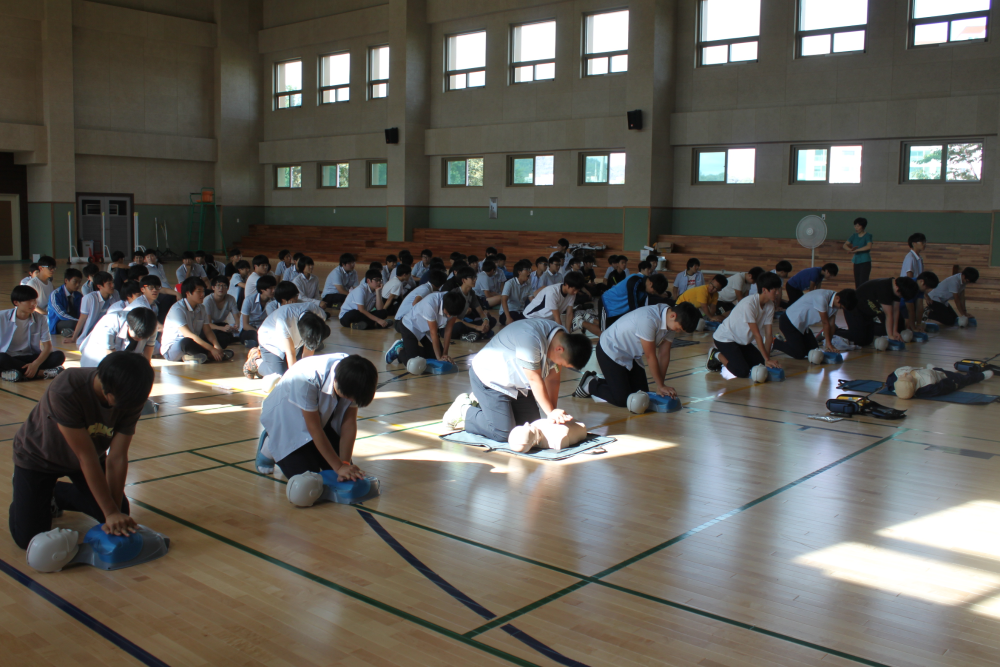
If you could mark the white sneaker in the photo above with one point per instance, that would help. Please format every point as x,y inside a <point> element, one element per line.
<point>454,417</point>
<point>199,358</point>
<point>842,343</point>
<point>51,373</point>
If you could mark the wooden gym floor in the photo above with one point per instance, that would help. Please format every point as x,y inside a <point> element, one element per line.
<point>736,532</point>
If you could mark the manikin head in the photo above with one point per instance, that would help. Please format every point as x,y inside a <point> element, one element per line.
<point>52,550</point>
<point>905,385</point>
<point>305,489</point>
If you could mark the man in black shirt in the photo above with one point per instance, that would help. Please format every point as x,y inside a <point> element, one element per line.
<point>877,312</point>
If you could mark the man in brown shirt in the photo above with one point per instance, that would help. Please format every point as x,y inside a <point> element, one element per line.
<point>81,429</point>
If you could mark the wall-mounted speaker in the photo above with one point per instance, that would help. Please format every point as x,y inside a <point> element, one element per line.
<point>392,134</point>
<point>634,119</point>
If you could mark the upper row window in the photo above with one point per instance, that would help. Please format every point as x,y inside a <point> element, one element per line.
<point>941,21</point>
<point>334,78</point>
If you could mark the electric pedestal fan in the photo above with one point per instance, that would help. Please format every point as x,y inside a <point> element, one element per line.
<point>810,233</point>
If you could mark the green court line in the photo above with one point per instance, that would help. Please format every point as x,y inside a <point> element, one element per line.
<point>187,451</point>
<point>180,474</point>
<point>361,597</point>
<point>8,391</point>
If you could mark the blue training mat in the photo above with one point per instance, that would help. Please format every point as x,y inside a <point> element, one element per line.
<point>465,438</point>
<point>964,397</point>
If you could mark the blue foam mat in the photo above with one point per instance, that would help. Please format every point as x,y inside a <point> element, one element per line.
<point>963,397</point>
<point>465,438</point>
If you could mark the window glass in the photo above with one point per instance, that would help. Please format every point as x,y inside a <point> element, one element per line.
<point>965,162</point>
<point>544,169</point>
<point>378,71</point>
<point>926,8</point>
<point>930,33</point>
<point>607,32</point>
<point>467,51</point>
<point>379,174</point>
<point>523,171</point>
<point>335,70</point>
<point>811,164</point>
<point>849,41</point>
<point>288,84</point>
<point>711,167</point>
<point>288,177</point>
<point>595,169</point>
<point>456,172</point>
<point>334,175</point>
<point>535,41</point>
<point>925,163</point>
<point>741,165</point>
<point>616,169</point>
<point>743,51</point>
<point>815,45</point>
<point>729,19</point>
<point>965,29</point>
<point>822,14</point>
<point>845,164</point>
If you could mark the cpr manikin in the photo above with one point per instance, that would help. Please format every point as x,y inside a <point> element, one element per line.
<point>309,488</point>
<point>53,550</point>
<point>544,434</point>
<point>931,381</point>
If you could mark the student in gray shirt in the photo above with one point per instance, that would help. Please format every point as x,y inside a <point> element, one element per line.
<point>516,293</point>
<point>223,314</point>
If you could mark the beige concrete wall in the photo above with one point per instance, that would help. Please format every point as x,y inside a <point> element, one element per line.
<point>21,63</point>
<point>285,12</point>
<point>151,181</point>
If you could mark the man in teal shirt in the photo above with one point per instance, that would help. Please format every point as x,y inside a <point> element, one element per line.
<point>860,245</point>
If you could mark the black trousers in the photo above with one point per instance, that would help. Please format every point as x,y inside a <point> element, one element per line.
<point>164,302</point>
<point>226,338</point>
<point>726,305</point>
<point>31,507</point>
<point>942,312</point>
<point>11,363</point>
<point>249,336</point>
<point>354,316</point>
<point>862,272</point>
<point>411,346</point>
<point>514,317</point>
<point>334,298</point>
<point>461,328</point>
<point>862,326</point>
<point>618,382</point>
<point>740,358</point>
<point>797,344</point>
<point>307,457</point>
<point>794,293</point>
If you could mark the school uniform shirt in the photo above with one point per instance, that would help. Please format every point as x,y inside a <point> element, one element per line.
<point>803,278</point>
<point>912,262</point>
<point>387,274</point>
<point>625,296</point>
<point>498,280</point>
<point>407,304</point>
<point>87,288</point>
<point>518,294</point>
<point>622,341</point>
<point>118,306</point>
<point>94,306</point>
<point>430,309</point>
<point>251,288</point>
<point>69,401</point>
<point>255,311</point>
<point>947,289</point>
<point>26,280</point>
<point>280,269</point>
<point>753,288</point>
<point>394,286</point>
<point>736,282</point>
<point>699,296</point>
<point>44,290</point>
<point>219,314</point>
<point>282,325</point>
<point>288,274</point>
<point>197,271</point>
<point>683,282</point>
<point>309,386</point>
<point>22,338</point>
<point>806,311</point>
<point>157,270</point>
<point>520,346</point>
<point>533,280</point>
<point>308,286</point>
<point>142,302</point>
<point>111,333</point>
<point>181,314</point>
<point>736,329</point>
<point>221,268</point>
<point>362,295</point>
<point>339,276</point>
<point>860,242</point>
<point>234,285</point>
<point>550,300</point>
<point>419,269</point>
<point>872,294</point>
<point>483,283</point>
<point>548,278</point>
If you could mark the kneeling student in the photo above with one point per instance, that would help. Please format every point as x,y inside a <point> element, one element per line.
<point>255,310</point>
<point>706,297</point>
<point>630,294</point>
<point>553,301</point>
<point>81,429</point>
<point>187,331</point>
<point>951,288</point>
<point>25,341</point>
<point>517,372</point>
<point>819,306</point>
<point>809,279</point>
<point>363,307</point>
<point>435,279</point>
<point>134,331</point>
<point>911,312</point>
<point>645,332</point>
<point>749,323</point>
<point>877,312</point>
<point>311,416</point>
<point>292,331</point>
<point>423,327</point>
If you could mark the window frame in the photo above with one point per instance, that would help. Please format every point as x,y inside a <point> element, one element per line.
<point>828,147</point>
<point>288,93</point>
<point>450,73</point>
<point>912,24</point>
<point>586,57</point>
<point>534,170</point>
<point>697,151</point>
<point>320,88</point>
<point>368,173</point>
<point>532,63</point>
<point>372,82</point>
<point>904,166</point>
<point>459,158</point>
<point>335,163</point>
<point>700,46</point>
<point>581,167</point>
<point>799,34</point>
<point>289,186</point>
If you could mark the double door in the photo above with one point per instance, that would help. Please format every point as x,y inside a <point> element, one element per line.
<point>116,232</point>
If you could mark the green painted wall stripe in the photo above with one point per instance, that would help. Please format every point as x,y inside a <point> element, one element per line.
<point>324,216</point>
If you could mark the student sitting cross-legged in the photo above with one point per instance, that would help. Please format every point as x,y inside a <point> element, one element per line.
<point>341,281</point>
<point>486,285</point>
<point>645,332</point>
<point>514,375</point>
<point>363,308</point>
<point>187,331</point>
<point>64,304</point>
<point>189,268</point>
<point>748,324</point>
<point>255,310</point>
<point>481,324</point>
<point>435,279</point>
<point>423,327</point>
<point>305,280</point>
<point>25,343</point>
<point>394,289</point>
<point>94,306</point>
<point>223,314</point>
<point>516,293</point>
<point>134,331</point>
<point>238,281</point>
<point>311,416</point>
<point>81,429</point>
<point>819,306</point>
<point>293,331</point>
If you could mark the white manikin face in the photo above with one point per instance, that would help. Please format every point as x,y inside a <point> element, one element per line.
<point>50,551</point>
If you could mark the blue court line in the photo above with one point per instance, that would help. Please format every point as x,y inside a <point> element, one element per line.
<point>450,589</point>
<point>83,617</point>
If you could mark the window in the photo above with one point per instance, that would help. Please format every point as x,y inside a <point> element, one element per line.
<point>335,78</point>
<point>533,52</point>
<point>831,26</point>
<point>942,161</point>
<point>288,84</point>
<point>826,164</point>
<point>466,58</point>
<point>719,165</point>
<point>334,175</point>
<point>287,177</point>
<point>606,43</point>
<point>942,21</point>
<point>378,72</point>
<point>602,168</point>
<point>463,172</point>
<point>378,173</point>
<point>728,31</point>
<point>530,170</point>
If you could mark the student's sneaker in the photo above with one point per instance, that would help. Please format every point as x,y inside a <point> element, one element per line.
<point>250,366</point>
<point>488,335</point>
<point>14,375</point>
<point>583,389</point>
<point>227,355</point>
<point>360,325</point>
<point>393,354</point>
<point>842,343</point>
<point>471,337</point>
<point>51,373</point>
<point>199,358</point>
<point>263,462</point>
<point>714,364</point>
<point>249,343</point>
<point>454,417</point>
<point>66,332</point>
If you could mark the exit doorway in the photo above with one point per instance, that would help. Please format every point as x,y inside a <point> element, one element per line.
<point>105,221</point>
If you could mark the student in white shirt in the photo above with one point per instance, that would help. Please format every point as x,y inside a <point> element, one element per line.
<point>391,261</point>
<point>485,287</point>
<point>289,272</point>
<point>341,281</point>
<point>89,272</point>
<point>238,281</point>
<point>363,308</point>
<point>514,375</point>
<point>395,289</point>
<point>168,296</point>
<point>645,332</point>
<point>261,267</point>
<point>293,331</point>
<point>688,278</point>
<point>130,292</point>
<point>305,280</point>
<point>516,293</point>
<point>255,310</point>
<point>423,266</point>
<point>749,323</point>
<point>554,301</point>
<point>187,331</point>
<point>25,342</point>
<point>134,331</point>
<point>819,306</point>
<point>737,288</point>
<point>284,261</point>
<point>94,306</point>
<point>913,266</point>
<point>552,275</point>
<point>435,280</point>
<point>42,283</point>
<point>541,267</point>
<point>223,314</point>
<point>190,269</point>
<point>423,327</point>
